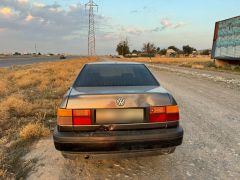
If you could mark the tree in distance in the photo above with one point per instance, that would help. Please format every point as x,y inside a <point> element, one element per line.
<point>17,54</point>
<point>188,50</point>
<point>150,49</point>
<point>136,52</point>
<point>123,48</point>
<point>163,51</point>
<point>206,52</point>
<point>174,48</point>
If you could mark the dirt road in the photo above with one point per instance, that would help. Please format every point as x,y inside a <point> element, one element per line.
<point>210,116</point>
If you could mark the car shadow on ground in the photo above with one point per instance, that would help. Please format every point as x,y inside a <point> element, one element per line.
<point>136,167</point>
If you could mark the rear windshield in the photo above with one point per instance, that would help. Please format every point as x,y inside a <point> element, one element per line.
<point>94,75</point>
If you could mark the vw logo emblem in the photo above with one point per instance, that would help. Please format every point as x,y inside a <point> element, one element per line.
<point>120,101</point>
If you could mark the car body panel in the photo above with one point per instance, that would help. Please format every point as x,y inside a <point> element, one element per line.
<point>118,136</point>
<point>64,102</point>
<point>103,141</point>
<point>105,97</point>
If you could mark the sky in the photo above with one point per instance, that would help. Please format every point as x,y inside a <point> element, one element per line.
<point>62,26</point>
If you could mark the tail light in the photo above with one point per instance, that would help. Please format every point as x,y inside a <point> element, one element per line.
<point>64,117</point>
<point>164,114</point>
<point>69,117</point>
<point>82,117</point>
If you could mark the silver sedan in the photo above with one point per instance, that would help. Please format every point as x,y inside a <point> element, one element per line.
<point>117,108</point>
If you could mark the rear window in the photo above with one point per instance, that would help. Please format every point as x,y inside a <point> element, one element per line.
<point>94,75</point>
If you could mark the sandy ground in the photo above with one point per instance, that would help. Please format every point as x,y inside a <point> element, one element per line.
<point>210,116</point>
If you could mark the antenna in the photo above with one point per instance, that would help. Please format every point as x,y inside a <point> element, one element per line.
<point>91,30</point>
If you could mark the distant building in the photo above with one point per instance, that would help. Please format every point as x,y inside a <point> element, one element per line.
<point>131,55</point>
<point>171,53</point>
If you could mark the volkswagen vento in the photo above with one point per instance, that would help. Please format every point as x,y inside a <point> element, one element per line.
<point>116,108</point>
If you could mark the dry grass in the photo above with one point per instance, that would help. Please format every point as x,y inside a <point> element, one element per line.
<point>29,97</point>
<point>2,173</point>
<point>199,62</point>
<point>165,60</point>
<point>17,105</point>
<point>3,87</point>
<point>34,130</point>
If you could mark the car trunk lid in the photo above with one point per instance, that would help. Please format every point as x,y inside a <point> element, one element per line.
<point>108,97</point>
<point>118,105</point>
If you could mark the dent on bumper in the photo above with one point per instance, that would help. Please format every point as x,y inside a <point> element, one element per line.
<point>104,141</point>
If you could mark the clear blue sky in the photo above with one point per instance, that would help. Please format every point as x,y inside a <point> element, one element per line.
<point>61,26</point>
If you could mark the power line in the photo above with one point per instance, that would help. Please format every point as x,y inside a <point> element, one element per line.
<point>91,29</point>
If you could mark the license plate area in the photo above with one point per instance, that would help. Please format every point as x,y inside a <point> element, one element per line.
<point>119,116</point>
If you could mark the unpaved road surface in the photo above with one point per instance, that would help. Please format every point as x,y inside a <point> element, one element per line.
<point>210,116</point>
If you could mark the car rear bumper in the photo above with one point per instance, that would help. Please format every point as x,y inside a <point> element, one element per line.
<point>104,142</point>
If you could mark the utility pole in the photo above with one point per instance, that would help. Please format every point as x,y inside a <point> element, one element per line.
<point>35,48</point>
<point>91,30</point>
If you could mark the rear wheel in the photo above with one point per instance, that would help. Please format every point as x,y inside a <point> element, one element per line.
<point>170,150</point>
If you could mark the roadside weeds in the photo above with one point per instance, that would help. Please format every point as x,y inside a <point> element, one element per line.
<point>29,97</point>
<point>188,62</point>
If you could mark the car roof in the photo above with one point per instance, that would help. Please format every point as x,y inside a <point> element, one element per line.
<point>113,62</point>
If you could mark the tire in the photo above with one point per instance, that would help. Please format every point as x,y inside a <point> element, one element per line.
<point>172,150</point>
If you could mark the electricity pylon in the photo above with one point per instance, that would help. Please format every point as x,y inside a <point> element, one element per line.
<point>91,30</point>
